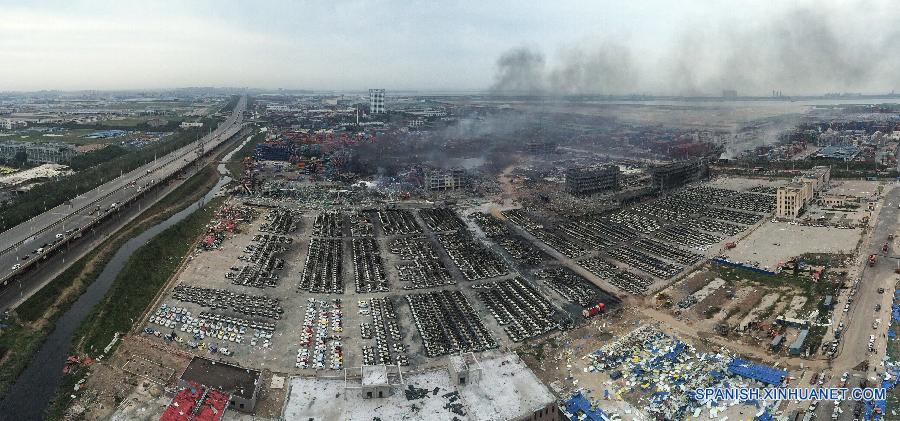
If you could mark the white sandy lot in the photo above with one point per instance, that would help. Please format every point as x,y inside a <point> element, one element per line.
<point>776,242</point>
<point>746,183</point>
<point>858,188</point>
<point>507,389</point>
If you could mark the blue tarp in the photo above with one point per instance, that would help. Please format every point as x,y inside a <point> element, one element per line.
<point>578,404</point>
<point>882,405</point>
<point>679,348</point>
<point>726,262</point>
<point>765,416</point>
<point>760,372</point>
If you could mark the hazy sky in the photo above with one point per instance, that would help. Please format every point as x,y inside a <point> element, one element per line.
<point>570,47</point>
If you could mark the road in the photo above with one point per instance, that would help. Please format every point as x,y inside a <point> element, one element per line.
<point>854,356</point>
<point>859,319</point>
<point>49,229</point>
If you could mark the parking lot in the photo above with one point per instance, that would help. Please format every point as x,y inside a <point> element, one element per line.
<point>644,247</point>
<point>307,292</point>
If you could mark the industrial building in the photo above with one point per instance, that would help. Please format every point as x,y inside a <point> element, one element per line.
<point>241,384</point>
<point>510,392</point>
<point>838,153</point>
<point>797,346</point>
<point>437,180</point>
<point>677,174</point>
<point>376,101</point>
<point>540,147</point>
<point>839,200</point>
<point>589,180</point>
<point>790,200</point>
<point>38,152</point>
<point>190,124</point>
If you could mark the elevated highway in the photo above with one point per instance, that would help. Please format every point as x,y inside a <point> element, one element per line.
<point>24,245</point>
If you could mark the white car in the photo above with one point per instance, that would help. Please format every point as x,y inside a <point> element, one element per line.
<point>16,266</point>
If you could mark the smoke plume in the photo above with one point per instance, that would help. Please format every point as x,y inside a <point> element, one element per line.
<point>801,51</point>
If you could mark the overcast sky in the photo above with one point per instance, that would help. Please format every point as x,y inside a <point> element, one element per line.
<point>663,47</point>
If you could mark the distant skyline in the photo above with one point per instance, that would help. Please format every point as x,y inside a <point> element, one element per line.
<point>566,47</point>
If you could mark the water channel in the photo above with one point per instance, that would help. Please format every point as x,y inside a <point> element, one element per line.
<point>29,396</point>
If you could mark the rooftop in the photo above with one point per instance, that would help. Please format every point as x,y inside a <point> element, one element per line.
<point>374,375</point>
<point>229,378</point>
<point>509,391</point>
<point>838,152</point>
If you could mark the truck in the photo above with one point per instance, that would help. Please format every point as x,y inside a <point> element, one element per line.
<point>729,246</point>
<point>872,259</point>
<point>593,311</point>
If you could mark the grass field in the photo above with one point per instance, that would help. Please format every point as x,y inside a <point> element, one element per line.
<point>135,286</point>
<point>70,136</point>
<point>17,344</point>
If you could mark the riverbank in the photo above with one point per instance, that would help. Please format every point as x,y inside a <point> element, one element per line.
<point>31,322</point>
<point>235,163</point>
<point>132,291</point>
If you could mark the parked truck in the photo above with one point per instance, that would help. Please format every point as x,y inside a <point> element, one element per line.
<point>593,311</point>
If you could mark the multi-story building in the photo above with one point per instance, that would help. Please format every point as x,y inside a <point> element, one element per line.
<point>540,147</point>
<point>792,199</point>
<point>445,180</point>
<point>586,181</point>
<point>677,174</point>
<point>376,101</point>
<point>818,177</point>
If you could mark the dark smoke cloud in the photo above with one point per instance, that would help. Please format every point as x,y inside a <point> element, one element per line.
<point>802,51</point>
<point>520,70</point>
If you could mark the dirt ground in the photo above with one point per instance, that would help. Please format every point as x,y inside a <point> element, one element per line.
<point>110,384</point>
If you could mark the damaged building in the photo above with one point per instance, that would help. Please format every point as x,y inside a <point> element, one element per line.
<point>38,153</point>
<point>583,181</point>
<point>677,174</point>
<point>438,180</point>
